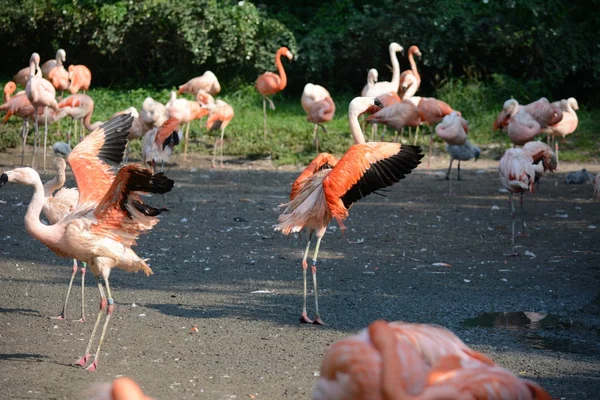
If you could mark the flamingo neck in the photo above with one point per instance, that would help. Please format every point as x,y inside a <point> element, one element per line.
<point>395,69</point>
<point>55,183</point>
<point>280,71</point>
<point>87,122</point>
<point>33,225</point>
<point>355,130</point>
<point>31,69</point>
<point>410,92</point>
<point>58,60</point>
<point>413,66</point>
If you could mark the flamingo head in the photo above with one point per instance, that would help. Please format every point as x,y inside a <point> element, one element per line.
<point>414,50</point>
<point>59,164</point>
<point>22,176</point>
<point>372,76</point>
<point>35,58</point>
<point>61,54</point>
<point>396,47</point>
<point>9,88</point>
<point>286,52</point>
<point>573,103</point>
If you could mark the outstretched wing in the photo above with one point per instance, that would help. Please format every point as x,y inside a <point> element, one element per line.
<point>95,159</point>
<point>321,161</point>
<point>364,169</point>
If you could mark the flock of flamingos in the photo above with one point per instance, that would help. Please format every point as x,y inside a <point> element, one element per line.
<point>98,222</point>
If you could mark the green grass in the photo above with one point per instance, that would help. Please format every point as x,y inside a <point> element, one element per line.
<point>290,139</point>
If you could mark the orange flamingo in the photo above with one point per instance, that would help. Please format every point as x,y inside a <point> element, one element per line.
<point>41,94</point>
<point>327,188</point>
<point>158,143</point>
<point>372,77</point>
<point>9,89</point>
<point>79,107</point>
<point>59,78</point>
<point>517,175</point>
<point>410,80</point>
<point>80,78</point>
<point>269,83</point>
<point>431,111</point>
<point>55,207</point>
<point>318,106</point>
<point>219,117</point>
<point>399,360</point>
<point>567,124</point>
<point>207,82</point>
<point>61,57</point>
<point>109,215</point>
<point>383,87</point>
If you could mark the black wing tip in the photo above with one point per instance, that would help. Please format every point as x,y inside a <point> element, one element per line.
<point>116,131</point>
<point>161,183</point>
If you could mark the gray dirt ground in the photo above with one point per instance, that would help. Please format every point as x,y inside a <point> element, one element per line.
<point>218,264</point>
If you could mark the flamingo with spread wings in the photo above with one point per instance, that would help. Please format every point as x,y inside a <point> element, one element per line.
<point>109,215</point>
<point>328,188</point>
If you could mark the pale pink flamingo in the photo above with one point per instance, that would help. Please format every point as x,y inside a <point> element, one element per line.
<point>319,108</point>
<point>543,157</point>
<point>41,94</point>
<point>22,77</point>
<point>153,112</point>
<point>522,128</point>
<point>567,124</point>
<point>109,215</point>
<point>397,115</point>
<point>321,192</point>
<point>219,117</point>
<point>410,80</point>
<point>387,99</point>
<point>269,83</point>
<point>79,107</point>
<point>185,111</point>
<point>541,111</point>
<point>453,130</point>
<point>61,57</point>
<point>207,82</point>
<point>158,143</point>
<point>55,207</point>
<point>372,77</point>
<point>404,361</point>
<point>383,87</point>
<point>517,175</point>
<point>20,106</point>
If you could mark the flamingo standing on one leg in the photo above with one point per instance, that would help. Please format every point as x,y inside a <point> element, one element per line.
<point>55,207</point>
<point>517,175</point>
<point>567,124</point>
<point>207,82</point>
<point>319,108</point>
<point>219,117</point>
<point>109,216</point>
<point>321,193</point>
<point>269,83</point>
<point>40,93</point>
<point>453,130</point>
<point>400,360</point>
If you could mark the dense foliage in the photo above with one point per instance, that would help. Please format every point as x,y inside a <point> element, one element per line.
<point>164,42</point>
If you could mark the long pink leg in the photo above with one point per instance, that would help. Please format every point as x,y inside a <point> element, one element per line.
<point>61,316</point>
<point>317,320</point>
<point>86,356</point>
<point>304,318</point>
<point>111,308</point>
<point>45,135</point>
<point>82,319</point>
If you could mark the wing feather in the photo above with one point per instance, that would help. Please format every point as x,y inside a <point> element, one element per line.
<point>321,161</point>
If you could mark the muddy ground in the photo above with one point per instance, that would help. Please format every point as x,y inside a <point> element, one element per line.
<point>219,265</point>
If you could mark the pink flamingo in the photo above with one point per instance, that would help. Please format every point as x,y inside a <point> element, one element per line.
<point>153,112</point>
<point>79,107</point>
<point>567,124</point>
<point>387,99</point>
<point>372,77</point>
<point>269,83</point>
<point>20,106</point>
<point>400,360</point>
<point>397,115</point>
<point>158,143</point>
<point>453,130</point>
<point>318,106</point>
<point>383,87</point>
<point>80,78</point>
<point>321,192</point>
<point>185,111</point>
<point>109,216</point>
<point>61,57</point>
<point>9,89</point>
<point>41,94</point>
<point>207,82</point>
<point>517,175</point>
<point>219,117</point>
<point>121,388</point>
<point>59,78</point>
<point>543,157</point>
<point>410,80</point>
<point>55,207</point>
<point>541,111</point>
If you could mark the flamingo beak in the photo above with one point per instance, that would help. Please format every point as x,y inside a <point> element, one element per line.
<point>3,179</point>
<point>378,103</point>
<point>289,55</point>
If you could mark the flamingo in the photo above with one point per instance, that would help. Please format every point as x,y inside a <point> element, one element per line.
<point>153,112</point>
<point>55,207</point>
<point>372,77</point>
<point>219,117</point>
<point>567,124</point>
<point>541,111</point>
<point>59,78</point>
<point>109,215</point>
<point>543,157</point>
<point>158,143</point>
<point>400,360</point>
<point>463,152</point>
<point>40,93</point>
<point>20,106</point>
<point>207,82</point>
<point>395,114</point>
<point>517,175</point>
<point>431,111</point>
<point>410,80</point>
<point>269,83</point>
<point>392,86</point>
<point>61,57</point>
<point>80,78</point>
<point>453,130</point>
<point>79,107</point>
<point>9,89</point>
<point>327,188</point>
<point>185,111</point>
<point>318,106</point>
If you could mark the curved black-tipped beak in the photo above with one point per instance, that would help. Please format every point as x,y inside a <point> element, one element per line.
<point>378,103</point>
<point>3,179</point>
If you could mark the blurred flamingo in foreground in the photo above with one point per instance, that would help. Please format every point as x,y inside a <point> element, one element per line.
<point>207,82</point>
<point>400,360</point>
<point>269,83</point>
<point>109,216</point>
<point>220,116</point>
<point>122,388</point>
<point>319,108</point>
<point>327,188</point>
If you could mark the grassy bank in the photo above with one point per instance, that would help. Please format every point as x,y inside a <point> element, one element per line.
<point>290,139</point>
